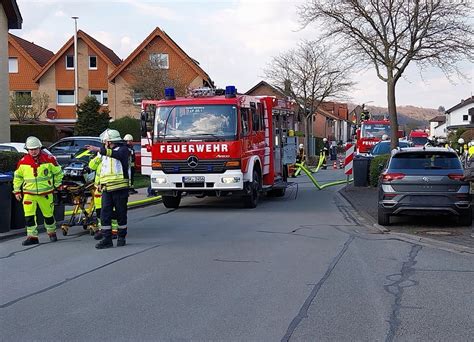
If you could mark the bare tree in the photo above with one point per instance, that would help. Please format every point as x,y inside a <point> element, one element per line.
<point>40,102</point>
<point>390,34</point>
<point>25,107</point>
<point>310,75</point>
<point>149,80</point>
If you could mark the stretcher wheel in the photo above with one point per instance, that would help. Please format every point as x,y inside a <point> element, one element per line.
<point>64,229</point>
<point>85,226</point>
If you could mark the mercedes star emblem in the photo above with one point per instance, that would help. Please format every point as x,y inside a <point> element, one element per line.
<point>193,161</point>
<point>426,179</point>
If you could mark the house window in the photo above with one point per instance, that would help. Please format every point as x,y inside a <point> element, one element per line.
<point>12,65</point>
<point>100,95</point>
<point>93,62</point>
<point>465,117</point>
<point>137,98</point>
<point>66,97</point>
<point>70,62</point>
<point>159,60</point>
<point>23,98</point>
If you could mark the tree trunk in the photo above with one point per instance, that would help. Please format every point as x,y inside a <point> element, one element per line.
<point>392,111</point>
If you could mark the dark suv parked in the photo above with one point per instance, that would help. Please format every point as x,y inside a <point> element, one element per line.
<point>65,149</point>
<point>424,181</point>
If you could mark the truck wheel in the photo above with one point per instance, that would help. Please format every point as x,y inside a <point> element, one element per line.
<point>383,219</point>
<point>251,200</point>
<point>171,201</point>
<point>465,219</point>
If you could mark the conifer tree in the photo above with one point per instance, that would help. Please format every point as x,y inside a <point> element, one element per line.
<point>90,119</point>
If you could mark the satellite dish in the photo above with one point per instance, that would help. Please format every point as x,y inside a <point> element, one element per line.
<point>51,113</point>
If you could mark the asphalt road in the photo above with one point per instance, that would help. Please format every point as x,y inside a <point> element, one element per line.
<point>291,269</point>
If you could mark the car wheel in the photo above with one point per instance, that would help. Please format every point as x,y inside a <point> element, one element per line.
<point>383,218</point>
<point>465,219</point>
<point>251,200</point>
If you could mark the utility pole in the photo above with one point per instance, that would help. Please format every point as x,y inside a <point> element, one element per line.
<point>76,65</point>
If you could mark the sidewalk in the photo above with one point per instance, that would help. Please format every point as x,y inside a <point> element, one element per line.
<point>137,200</point>
<point>445,229</point>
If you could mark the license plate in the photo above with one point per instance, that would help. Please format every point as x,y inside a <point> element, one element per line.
<point>193,179</point>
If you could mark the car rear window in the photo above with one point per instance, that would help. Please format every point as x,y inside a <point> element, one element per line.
<point>425,160</point>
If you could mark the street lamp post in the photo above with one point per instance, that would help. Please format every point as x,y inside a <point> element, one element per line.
<point>76,64</point>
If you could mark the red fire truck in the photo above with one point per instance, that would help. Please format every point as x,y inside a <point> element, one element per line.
<point>418,137</point>
<point>370,133</point>
<point>216,145</point>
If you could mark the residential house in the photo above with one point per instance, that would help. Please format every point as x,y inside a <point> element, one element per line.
<point>438,126</point>
<point>461,115</point>
<point>160,49</point>
<point>338,129</point>
<point>95,63</point>
<point>25,60</point>
<point>10,18</point>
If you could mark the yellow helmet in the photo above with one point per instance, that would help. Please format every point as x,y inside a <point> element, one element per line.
<point>32,143</point>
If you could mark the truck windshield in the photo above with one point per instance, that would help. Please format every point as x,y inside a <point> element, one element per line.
<point>207,122</point>
<point>374,130</point>
<point>419,140</point>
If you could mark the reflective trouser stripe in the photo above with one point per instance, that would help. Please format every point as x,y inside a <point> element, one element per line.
<point>46,205</point>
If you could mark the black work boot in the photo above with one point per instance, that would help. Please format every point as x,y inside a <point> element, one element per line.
<point>122,233</point>
<point>106,241</point>
<point>53,237</point>
<point>30,240</point>
<point>98,235</point>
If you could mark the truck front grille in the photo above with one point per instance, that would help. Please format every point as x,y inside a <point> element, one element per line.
<point>204,166</point>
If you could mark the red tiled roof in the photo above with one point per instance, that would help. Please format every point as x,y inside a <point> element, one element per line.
<point>105,50</point>
<point>38,53</point>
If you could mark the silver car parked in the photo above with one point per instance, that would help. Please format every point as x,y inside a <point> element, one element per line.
<point>424,181</point>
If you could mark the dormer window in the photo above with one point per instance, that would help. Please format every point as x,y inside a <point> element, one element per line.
<point>93,62</point>
<point>70,62</point>
<point>159,60</point>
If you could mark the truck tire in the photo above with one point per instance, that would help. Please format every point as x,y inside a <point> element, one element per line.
<point>251,200</point>
<point>383,219</point>
<point>465,219</point>
<point>171,201</point>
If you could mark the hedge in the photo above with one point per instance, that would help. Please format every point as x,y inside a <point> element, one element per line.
<point>375,168</point>
<point>45,133</point>
<point>127,125</point>
<point>9,160</point>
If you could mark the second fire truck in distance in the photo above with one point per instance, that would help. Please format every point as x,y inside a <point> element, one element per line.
<point>216,145</point>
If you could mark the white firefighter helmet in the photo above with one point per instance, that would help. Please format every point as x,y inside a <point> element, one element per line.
<point>460,141</point>
<point>325,139</point>
<point>32,143</point>
<point>301,146</point>
<point>111,135</point>
<point>385,137</point>
<point>128,137</point>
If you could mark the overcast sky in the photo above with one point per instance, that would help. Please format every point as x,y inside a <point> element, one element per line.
<point>233,40</point>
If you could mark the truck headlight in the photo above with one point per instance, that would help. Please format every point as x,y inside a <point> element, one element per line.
<point>158,180</point>
<point>230,180</point>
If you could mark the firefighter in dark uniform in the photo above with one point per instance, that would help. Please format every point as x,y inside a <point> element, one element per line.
<point>129,140</point>
<point>325,152</point>
<point>114,184</point>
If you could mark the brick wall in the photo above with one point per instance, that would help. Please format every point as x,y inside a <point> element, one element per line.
<point>23,79</point>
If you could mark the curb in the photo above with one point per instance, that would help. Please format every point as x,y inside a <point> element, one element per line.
<point>447,246</point>
<point>131,205</point>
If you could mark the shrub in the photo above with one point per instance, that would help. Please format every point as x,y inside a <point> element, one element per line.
<point>45,133</point>
<point>89,120</point>
<point>375,168</point>
<point>9,160</point>
<point>127,125</point>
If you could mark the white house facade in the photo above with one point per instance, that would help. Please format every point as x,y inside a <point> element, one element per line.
<point>461,115</point>
<point>438,126</point>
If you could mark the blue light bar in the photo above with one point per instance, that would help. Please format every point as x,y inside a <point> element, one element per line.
<point>169,94</point>
<point>230,91</point>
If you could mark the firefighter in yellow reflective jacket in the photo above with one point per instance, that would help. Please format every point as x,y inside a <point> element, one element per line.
<point>95,164</point>
<point>114,182</point>
<point>36,177</point>
<point>471,149</point>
